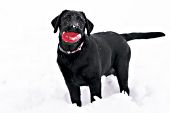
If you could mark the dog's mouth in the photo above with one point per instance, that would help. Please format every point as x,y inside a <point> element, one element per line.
<point>71,37</point>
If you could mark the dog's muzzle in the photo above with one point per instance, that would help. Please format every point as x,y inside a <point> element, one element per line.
<point>71,37</point>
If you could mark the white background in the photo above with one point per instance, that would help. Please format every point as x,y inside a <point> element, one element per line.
<point>30,81</point>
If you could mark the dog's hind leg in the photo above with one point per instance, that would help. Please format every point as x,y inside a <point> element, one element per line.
<point>122,75</point>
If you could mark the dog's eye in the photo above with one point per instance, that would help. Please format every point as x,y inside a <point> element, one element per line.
<point>67,17</point>
<point>79,18</point>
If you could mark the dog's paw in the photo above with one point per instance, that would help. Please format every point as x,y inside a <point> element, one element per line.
<point>124,92</point>
<point>78,103</point>
<point>96,98</point>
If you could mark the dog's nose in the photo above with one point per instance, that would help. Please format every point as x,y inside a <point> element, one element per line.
<point>74,26</point>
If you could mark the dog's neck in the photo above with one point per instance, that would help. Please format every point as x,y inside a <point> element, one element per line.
<point>73,51</point>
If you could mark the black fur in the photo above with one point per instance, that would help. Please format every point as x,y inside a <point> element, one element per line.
<point>102,53</point>
<point>132,36</point>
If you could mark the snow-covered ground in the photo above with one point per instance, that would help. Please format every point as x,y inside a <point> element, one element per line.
<point>31,82</point>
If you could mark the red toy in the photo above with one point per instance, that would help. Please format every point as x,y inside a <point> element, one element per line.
<point>70,37</point>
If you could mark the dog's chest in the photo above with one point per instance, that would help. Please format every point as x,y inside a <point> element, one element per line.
<point>75,70</point>
<point>79,76</point>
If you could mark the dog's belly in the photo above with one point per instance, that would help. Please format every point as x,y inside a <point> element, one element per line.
<point>106,57</point>
<point>110,46</point>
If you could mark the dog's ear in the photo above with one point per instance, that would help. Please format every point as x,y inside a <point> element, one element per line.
<point>88,25</point>
<point>56,21</point>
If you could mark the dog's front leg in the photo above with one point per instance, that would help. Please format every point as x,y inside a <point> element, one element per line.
<point>95,88</point>
<point>74,91</point>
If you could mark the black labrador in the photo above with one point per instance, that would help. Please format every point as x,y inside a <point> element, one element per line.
<point>84,58</point>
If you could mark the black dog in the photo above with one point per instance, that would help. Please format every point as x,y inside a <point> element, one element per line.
<point>83,59</point>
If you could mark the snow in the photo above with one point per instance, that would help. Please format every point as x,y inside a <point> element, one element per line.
<point>31,82</point>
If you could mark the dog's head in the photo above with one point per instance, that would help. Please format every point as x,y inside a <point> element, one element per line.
<point>72,25</point>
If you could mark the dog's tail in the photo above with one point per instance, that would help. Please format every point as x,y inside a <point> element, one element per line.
<point>148,35</point>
